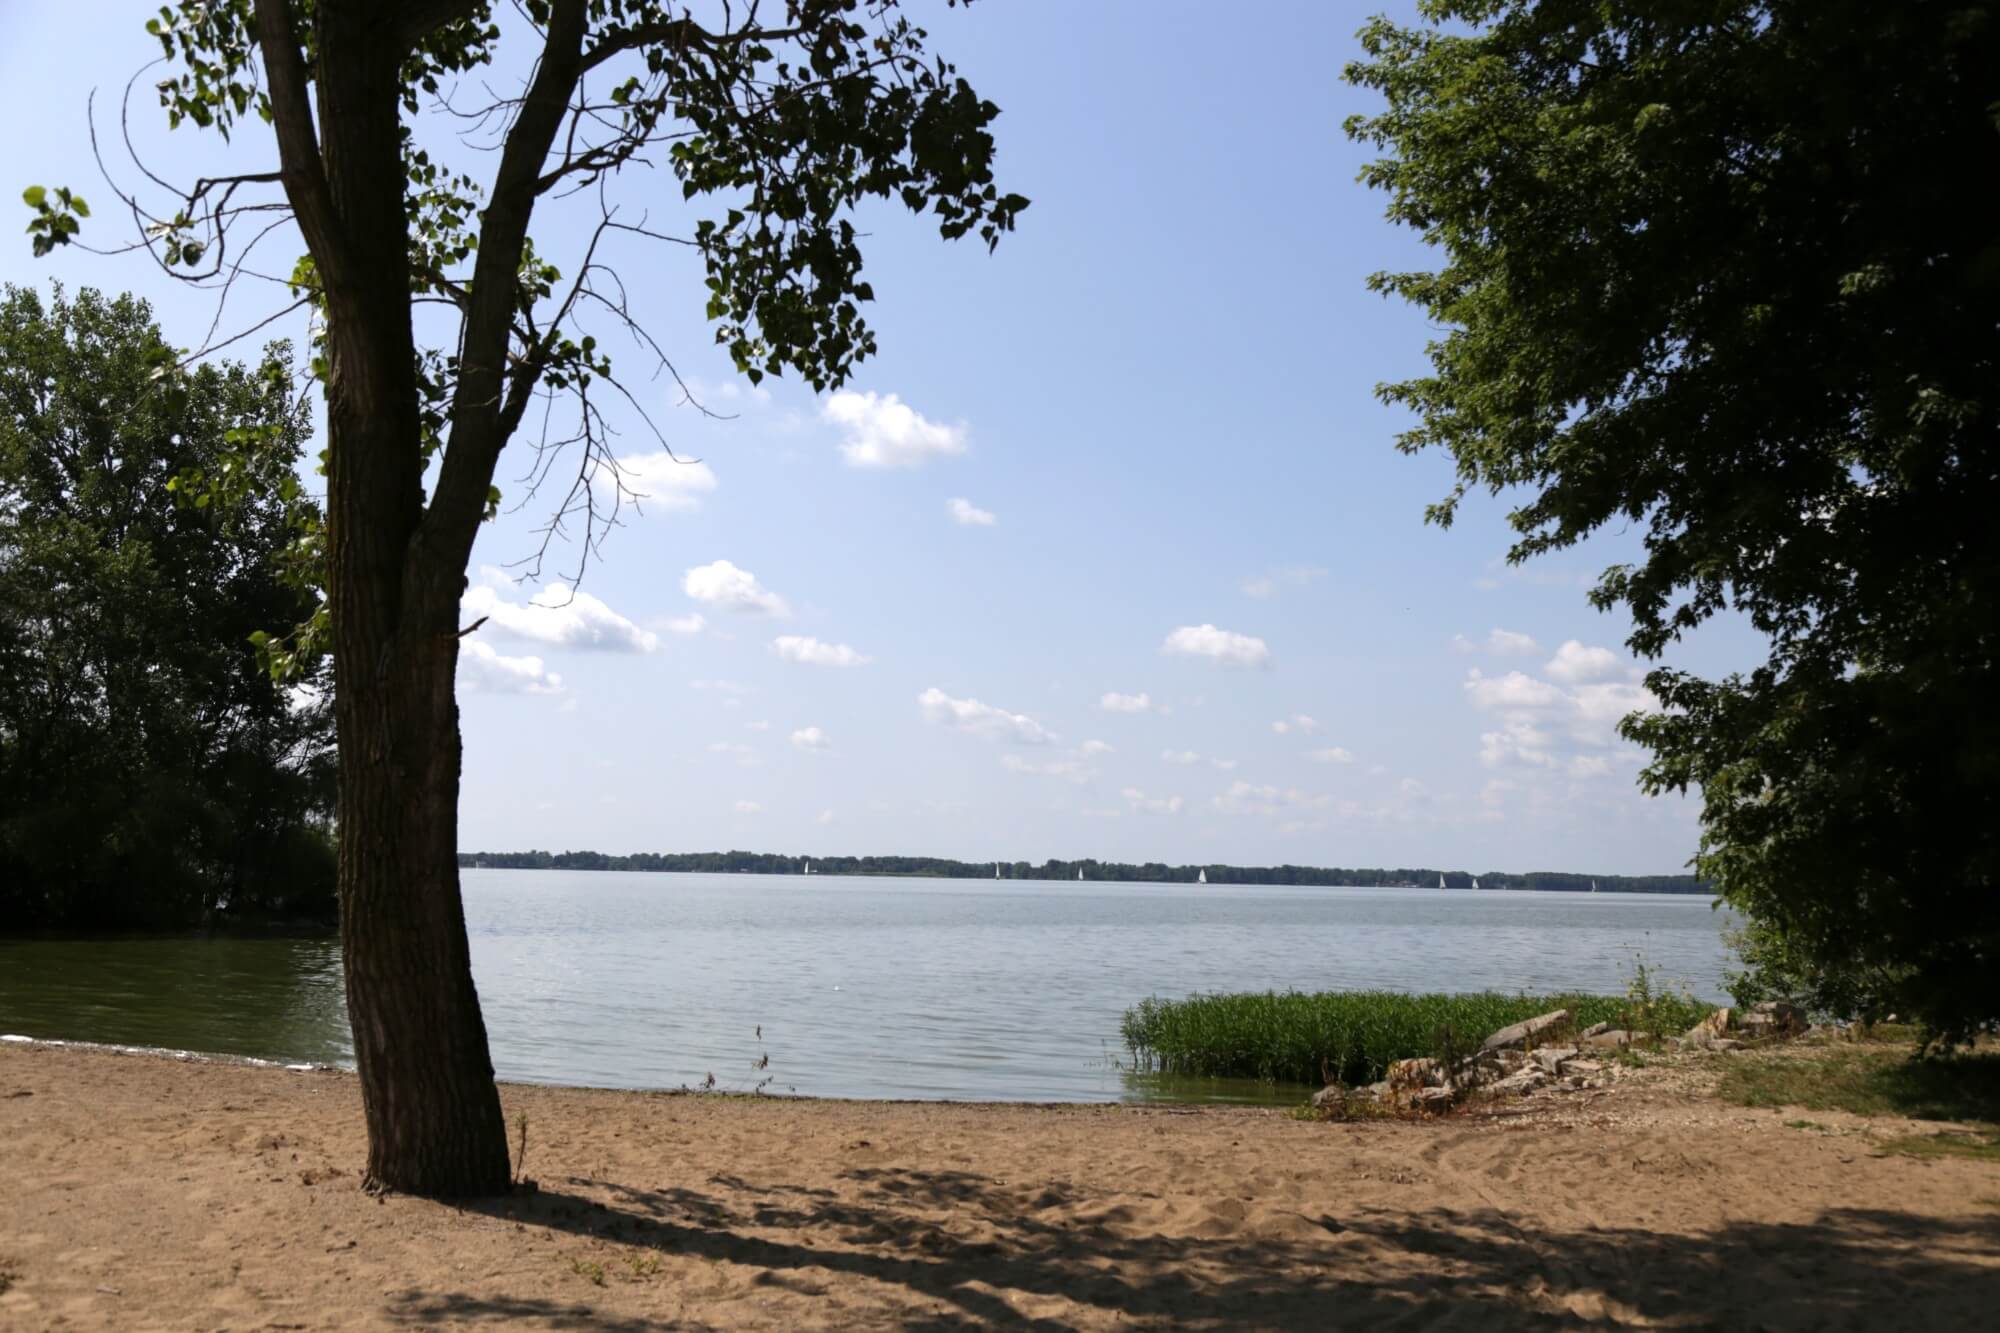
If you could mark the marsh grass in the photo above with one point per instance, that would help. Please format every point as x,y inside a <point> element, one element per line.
<point>1869,1079</point>
<point>1349,1037</point>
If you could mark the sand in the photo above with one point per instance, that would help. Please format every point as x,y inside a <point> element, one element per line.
<point>139,1191</point>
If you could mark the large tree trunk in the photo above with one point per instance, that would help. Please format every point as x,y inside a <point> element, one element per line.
<point>433,1113</point>
<point>434,1121</point>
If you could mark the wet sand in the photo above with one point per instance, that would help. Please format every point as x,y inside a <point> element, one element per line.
<point>141,1191</point>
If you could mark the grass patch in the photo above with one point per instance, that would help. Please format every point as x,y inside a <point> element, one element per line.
<point>1979,1147</point>
<point>1869,1080</point>
<point>1349,1036</point>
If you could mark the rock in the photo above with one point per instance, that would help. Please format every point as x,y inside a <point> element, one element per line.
<point>1773,1018</point>
<point>1581,1066</point>
<point>1554,1058</point>
<point>1422,1072</point>
<point>1522,1034</point>
<point>1596,1029</point>
<point>1706,1031</point>
<point>1521,1083</point>
<point>1374,1092</point>
<point>1433,1097</point>
<point>1331,1095</point>
<point>1617,1039</point>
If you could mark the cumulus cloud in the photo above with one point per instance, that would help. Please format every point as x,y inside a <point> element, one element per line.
<point>484,670</point>
<point>1249,798</point>
<point>720,686</point>
<point>748,808</point>
<point>1218,645</point>
<point>798,648</point>
<point>1498,642</point>
<point>981,719</point>
<point>558,615</point>
<point>1180,756</point>
<point>1090,749</point>
<point>1575,663</point>
<point>1141,803</point>
<point>1114,702</point>
<point>970,514</point>
<point>883,431</point>
<point>1332,754</point>
<point>811,738</point>
<point>656,480</point>
<point>1226,765</point>
<point>1302,723</point>
<point>823,818</point>
<point>691,623</point>
<point>722,584</point>
<point>1539,724</point>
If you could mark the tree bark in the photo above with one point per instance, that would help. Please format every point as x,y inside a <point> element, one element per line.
<point>433,1113</point>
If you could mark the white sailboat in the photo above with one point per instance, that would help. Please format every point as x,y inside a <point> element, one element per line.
<point>996,870</point>
<point>1475,881</point>
<point>1079,872</point>
<point>1441,883</point>
<point>1201,878</point>
<point>1593,886</point>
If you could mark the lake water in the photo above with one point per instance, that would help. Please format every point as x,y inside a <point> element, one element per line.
<point>969,989</point>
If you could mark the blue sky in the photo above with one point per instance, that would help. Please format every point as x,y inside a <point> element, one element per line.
<point>1108,553</point>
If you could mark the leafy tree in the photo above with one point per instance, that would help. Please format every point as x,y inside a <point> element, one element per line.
<point>1725,272</point>
<point>150,775</point>
<point>786,123</point>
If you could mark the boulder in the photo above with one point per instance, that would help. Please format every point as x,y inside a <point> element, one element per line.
<point>1331,1095</point>
<point>1434,1098</point>
<point>1522,1035</point>
<point>1525,1081</point>
<point>1422,1072</point>
<point>1706,1031</point>
<point>1616,1039</point>
<point>1595,1029</point>
<point>1581,1066</point>
<point>1773,1018</point>
<point>1552,1059</point>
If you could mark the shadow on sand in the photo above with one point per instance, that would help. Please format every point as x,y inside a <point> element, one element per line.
<point>1377,1267</point>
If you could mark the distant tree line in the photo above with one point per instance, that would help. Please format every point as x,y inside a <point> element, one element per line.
<point>1150,872</point>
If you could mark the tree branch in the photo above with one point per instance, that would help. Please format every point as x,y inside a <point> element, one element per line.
<point>302,170</point>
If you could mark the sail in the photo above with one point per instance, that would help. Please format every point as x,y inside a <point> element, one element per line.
<point>1441,883</point>
<point>1202,878</point>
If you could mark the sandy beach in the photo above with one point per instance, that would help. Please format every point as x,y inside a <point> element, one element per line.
<point>142,1191</point>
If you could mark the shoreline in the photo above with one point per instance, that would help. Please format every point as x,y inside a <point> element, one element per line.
<point>146,1189</point>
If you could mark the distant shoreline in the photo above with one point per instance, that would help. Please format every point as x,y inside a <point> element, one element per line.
<point>906,867</point>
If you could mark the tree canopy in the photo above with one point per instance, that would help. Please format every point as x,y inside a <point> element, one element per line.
<point>1725,272</point>
<point>150,773</point>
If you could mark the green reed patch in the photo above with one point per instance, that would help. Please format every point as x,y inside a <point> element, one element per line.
<point>1352,1036</point>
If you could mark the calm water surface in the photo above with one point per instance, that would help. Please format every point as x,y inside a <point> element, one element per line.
<point>862,987</point>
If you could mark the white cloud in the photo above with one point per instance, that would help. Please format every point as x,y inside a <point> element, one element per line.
<point>482,669</point>
<point>1180,756</point>
<point>759,725</point>
<point>823,818</point>
<point>1513,690</point>
<point>1226,765</point>
<point>1091,749</point>
<point>1266,585</point>
<point>722,584</point>
<point>745,756</point>
<point>556,616</point>
<point>1574,663</point>
<point>1333,754</point>
<point>656,480</point>
<point>981,719</point>
<point>798,648</point>
<point>748,808</point>
<point>1302,723</point>
<point>811,738</point>
<point>1114,702</point>
<point>1249,798</point>
<point>1499,642</point>
<point>1140,803</point>
<point>970,514</point>
<point>1544,726</point>
<point>720,686</point>
<point>691,623</point>
<point>1222,645</point>
<point>883,431</point>
<point>1072,769</point>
